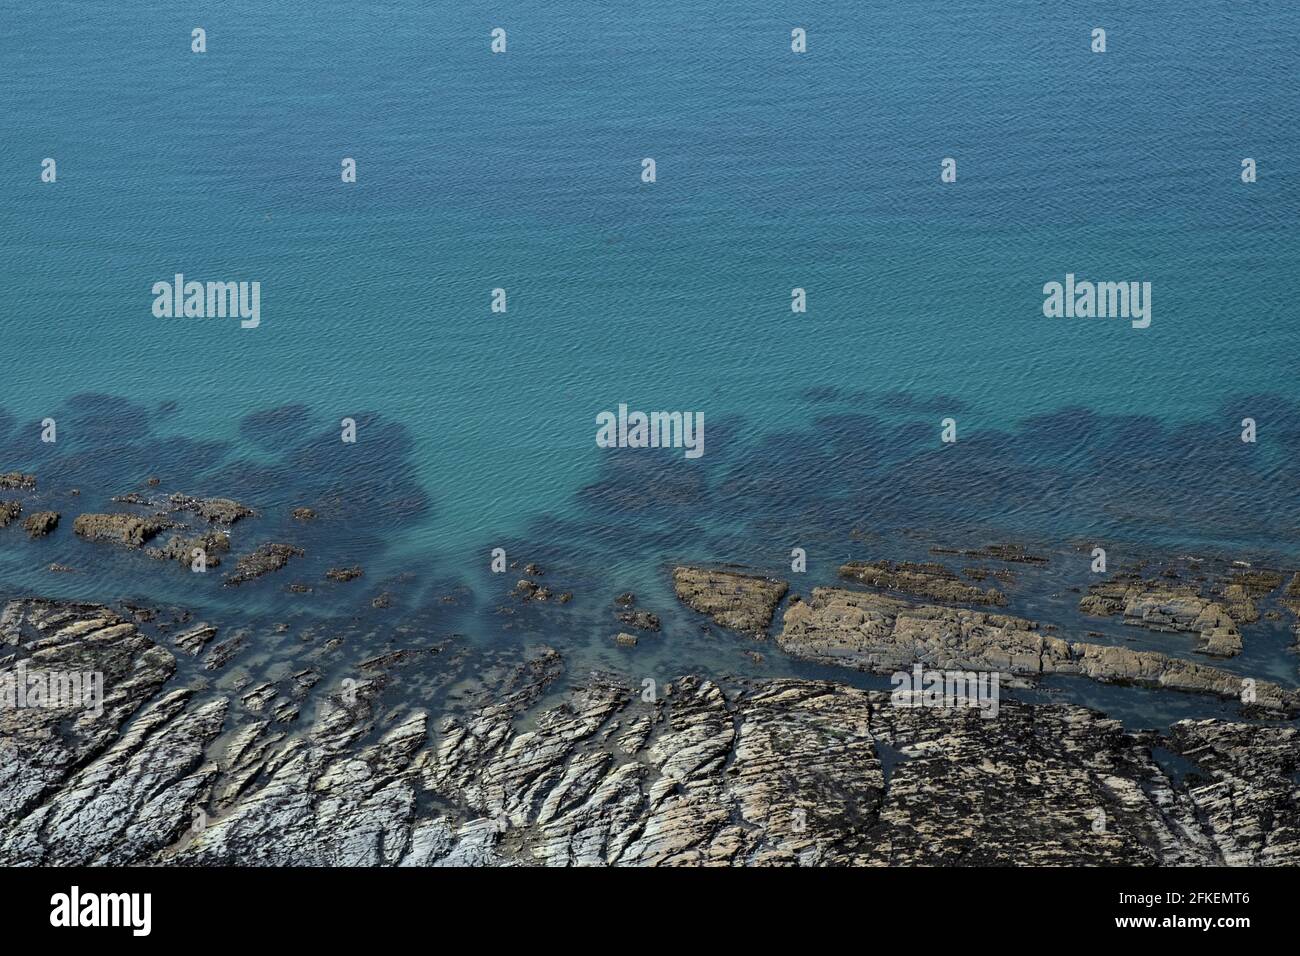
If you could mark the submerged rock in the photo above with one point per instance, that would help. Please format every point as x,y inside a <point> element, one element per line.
<point>1009,553</point>
<point>262,560</point>
<point>344,574</point>
<point>932,581</point>
<point>527,590</point>
<point>633,616</point>
<point>741,602</point>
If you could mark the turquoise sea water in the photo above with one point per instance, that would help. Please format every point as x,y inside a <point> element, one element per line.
<point>775,170</point>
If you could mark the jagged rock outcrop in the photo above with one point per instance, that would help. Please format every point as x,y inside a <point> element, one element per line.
<point>696,772</point>
<point>876,633</point>
<point>18,480</point>
<point>1163,607</point>
<point>779,775</point>
<point>790,772</point>
<point>1239,593</point>
<point>76,780</point>
<point>181,549</point>
<point>1040,785</point>
<point>1248,795</point>
<point>313,800</point>
<point>527,589</point>
<point>41,523</point>
<point>742,602</point>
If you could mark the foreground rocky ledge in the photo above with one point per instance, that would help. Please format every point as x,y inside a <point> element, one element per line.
<point>770,772</point>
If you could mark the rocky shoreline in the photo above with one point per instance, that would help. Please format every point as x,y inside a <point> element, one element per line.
<point>199,754</point>
<point>696,771</point>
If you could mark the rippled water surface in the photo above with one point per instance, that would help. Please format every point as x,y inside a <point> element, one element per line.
<point>775,171</point>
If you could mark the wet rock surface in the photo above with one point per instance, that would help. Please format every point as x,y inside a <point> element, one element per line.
<point>75,786</point>
<point>741,602</point>
<point>1163,607</point>
<point>41,523</point>
<point>932,581</point>
<point>1291,601</point>
<point>1247,795</point>
<point>882,634</point>
<point>224,511</point>
<point>774,772</point>
<point>130,530</point>
<point>183,549</point>
<point>1242,590</point>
